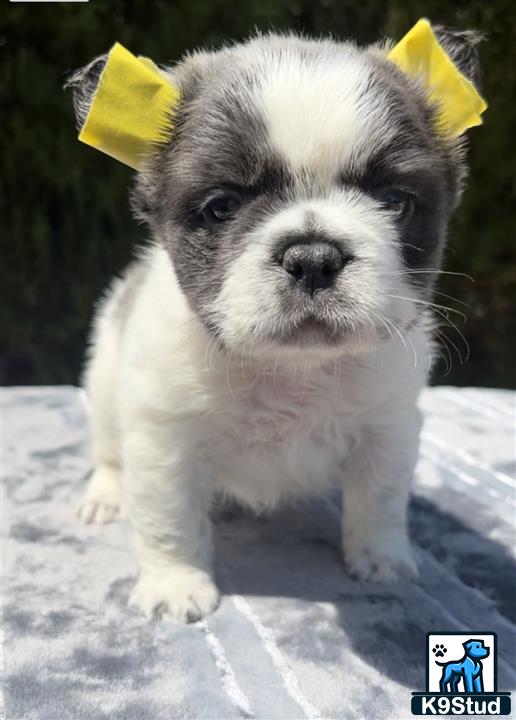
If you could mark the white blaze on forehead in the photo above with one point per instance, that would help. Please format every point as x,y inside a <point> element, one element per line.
<point>318,110</point>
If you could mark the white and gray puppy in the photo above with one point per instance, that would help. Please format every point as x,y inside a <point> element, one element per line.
<point>273,340</point>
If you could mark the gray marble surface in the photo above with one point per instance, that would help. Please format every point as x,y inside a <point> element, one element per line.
<point>294,637</point>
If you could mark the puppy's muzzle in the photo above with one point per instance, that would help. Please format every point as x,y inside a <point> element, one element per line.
<point>314,264</point>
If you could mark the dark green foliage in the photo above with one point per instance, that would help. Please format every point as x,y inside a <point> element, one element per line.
<point>66,224</point>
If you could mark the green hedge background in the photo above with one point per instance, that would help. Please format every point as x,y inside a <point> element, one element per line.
<point>64,214</point>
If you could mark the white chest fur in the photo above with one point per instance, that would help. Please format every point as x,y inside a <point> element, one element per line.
<point>264,431</point>
<point>278,433</point>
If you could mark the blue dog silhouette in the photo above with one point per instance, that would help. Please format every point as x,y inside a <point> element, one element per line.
<point>469,669</point>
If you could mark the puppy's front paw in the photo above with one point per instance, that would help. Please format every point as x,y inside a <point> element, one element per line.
<point>381,561</point>
<point>101,501</point>
<point>182,594</point>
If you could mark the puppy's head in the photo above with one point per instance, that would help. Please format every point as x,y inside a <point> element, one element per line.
<point>305,193</point>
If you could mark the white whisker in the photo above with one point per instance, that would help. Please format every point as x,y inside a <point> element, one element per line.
<point>429,304</point>
<point>451,297</point>
<point>431,271</point>
<point>466,344</point>
<point>448,356</point>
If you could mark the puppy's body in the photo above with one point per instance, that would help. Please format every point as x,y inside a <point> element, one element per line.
<point>202,423</point>
<point>267,431</point>
<point>272,342</point>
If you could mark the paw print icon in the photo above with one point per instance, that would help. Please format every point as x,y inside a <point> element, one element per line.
<point>439,650</point>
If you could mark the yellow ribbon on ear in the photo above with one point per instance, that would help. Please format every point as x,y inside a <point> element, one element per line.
<point>420,55</point>
<point>134,103</point>
<point>131,110</point>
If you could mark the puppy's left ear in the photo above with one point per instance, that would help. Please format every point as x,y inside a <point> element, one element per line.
<point>462,47</point>
<point>84,83</point>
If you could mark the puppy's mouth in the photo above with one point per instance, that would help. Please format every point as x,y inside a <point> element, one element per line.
<point>312,331</point>
<point>319,331</point>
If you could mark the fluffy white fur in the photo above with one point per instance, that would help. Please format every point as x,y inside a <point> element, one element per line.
<point>327,93</point>
<point>185,421</point>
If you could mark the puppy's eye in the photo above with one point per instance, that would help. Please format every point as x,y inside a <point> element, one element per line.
<point>397,202</point>
<point>221,208</point>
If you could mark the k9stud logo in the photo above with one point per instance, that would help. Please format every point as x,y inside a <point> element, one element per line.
<point>461,676</point>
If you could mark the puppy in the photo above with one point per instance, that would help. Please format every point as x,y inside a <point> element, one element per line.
<point>273,339</point>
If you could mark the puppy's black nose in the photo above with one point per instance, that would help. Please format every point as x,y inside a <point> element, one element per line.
<point>313,265</point>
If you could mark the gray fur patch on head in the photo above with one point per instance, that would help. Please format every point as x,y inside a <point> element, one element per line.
<point>219,144</point>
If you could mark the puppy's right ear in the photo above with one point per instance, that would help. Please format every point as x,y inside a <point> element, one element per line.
<point>84,83</point>
<point>462,47</point>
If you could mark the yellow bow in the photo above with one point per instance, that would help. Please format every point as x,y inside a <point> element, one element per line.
<point>420,55</point>
<point>132,108</point>
<point>134,103</point>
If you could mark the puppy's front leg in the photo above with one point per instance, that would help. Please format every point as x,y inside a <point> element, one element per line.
<point>377,483</point>
<point>167,498</point>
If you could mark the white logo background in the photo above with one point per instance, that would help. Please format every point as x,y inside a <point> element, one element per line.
<point>455,652</point>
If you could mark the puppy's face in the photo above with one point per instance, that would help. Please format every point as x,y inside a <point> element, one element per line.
<point>304,196</point>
